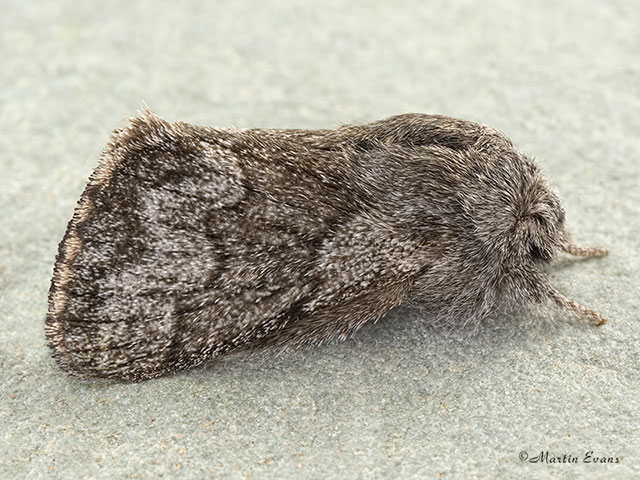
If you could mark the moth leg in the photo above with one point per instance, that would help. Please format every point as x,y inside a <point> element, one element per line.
<point>575,307</point>
<point>585,251</point>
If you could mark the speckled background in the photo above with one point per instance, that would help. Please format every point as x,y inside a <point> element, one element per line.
<point>401,399</point>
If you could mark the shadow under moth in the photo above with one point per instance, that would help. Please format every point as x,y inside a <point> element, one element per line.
<point>190,242</point>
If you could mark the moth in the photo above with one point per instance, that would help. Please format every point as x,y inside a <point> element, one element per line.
<point>190,242</point>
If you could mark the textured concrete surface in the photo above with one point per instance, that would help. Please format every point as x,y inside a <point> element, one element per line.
<point>402,399</point>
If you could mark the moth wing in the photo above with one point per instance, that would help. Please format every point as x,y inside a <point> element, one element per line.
<point>185,245</point>
<point>189,242</point>
<point>361,273</point>
<point>140,241</point>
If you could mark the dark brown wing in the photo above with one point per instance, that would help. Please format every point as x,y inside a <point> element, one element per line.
<point>189,242</point>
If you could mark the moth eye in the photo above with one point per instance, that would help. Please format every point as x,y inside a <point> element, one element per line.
<point>535,252</point>
<point>538,254</point>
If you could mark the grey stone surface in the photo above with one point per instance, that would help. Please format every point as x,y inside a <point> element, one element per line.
<point>403,398</point>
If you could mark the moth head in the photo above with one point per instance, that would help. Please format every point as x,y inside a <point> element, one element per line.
<point>541,220</point>
<point>544,235</point>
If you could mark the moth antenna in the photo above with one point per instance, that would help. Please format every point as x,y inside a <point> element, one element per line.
<point>585,251</point>
<point>575,307</point>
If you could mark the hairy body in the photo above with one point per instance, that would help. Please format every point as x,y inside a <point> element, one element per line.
<point>190,242</point>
